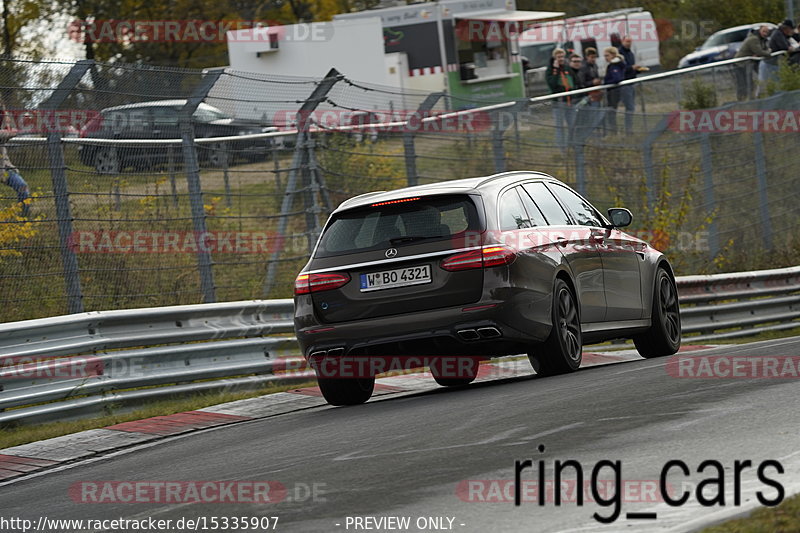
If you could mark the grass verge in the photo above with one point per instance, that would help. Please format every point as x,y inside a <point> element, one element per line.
<point>15,436</point>
<point>784,518</point>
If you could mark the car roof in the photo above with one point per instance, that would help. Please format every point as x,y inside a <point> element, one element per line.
<point>459,186</point>
<point>745,27</point>
<point>155,103</point>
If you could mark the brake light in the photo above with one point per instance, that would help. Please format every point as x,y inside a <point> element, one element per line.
<point>485,257</point>
<point>307,283</point>
<point>395,201</point>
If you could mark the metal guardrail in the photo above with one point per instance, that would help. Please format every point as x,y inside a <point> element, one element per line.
<point>79,365</point>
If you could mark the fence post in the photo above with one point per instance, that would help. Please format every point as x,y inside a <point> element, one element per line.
<point>499,127</point>
<point>192,166</point>
<point>55,152</point>
<point>300,162</point>
<point>647,157</point>
<point>708,174</point>
<point>761,178</point>
<point>409,134</point>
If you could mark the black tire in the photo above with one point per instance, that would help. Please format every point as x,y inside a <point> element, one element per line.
<point>562,351</point>
<point>471,370</point>
<point>106,160</point>
<point>664,336</point>
<point>346,391</point>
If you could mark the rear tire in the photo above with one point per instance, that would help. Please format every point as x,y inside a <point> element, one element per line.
<point>346,391</point>
<point>562,351</point>
<point>470,369</point>
<point>664,336</point>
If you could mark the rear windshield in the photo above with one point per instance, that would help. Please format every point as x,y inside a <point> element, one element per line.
<point>428,219</point>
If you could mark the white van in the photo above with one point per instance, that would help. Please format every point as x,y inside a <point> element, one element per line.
<point>598,31</point>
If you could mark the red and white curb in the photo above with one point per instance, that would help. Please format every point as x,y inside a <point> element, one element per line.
<point>19,461</point>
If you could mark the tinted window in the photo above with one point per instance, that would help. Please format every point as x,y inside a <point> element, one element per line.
<point>584,213</point>
<point>534,215</point>
<point>165,116</point>
<point>512,213</point>
<point>206,113</point>
<point>406,223</point>
<point>548,205</point>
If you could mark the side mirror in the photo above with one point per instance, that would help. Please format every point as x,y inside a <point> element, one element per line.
<point>620,217</point>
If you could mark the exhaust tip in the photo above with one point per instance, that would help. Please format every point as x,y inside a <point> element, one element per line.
<point>336,352</point>
<point>489,333</point>
<point>468,334</point>
<point>317,356</point>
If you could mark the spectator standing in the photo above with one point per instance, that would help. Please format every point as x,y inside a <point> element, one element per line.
<point>9,175</point>
<point>560,80</point>
<point>615,73</point>
<point>628,92</point>
<point>588,75</point>
<point>778,42</point>
<point>755,45</point>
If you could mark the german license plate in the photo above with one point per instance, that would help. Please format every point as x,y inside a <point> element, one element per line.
<point>401,277</point>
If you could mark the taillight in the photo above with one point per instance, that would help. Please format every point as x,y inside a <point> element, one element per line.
<point>485,257</point>
<point>307,283</point>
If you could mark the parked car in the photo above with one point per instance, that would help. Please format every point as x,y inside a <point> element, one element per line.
<point>720,45</point>
<point>159,120</point>
<point>512,263</point>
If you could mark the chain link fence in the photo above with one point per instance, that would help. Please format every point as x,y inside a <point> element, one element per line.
<point>156,186</point>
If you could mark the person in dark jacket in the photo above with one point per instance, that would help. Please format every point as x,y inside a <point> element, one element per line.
<point>755,45</point>
<point>778,42</point>
<point>589,76</point>
<point>628,92</point>
<point>615,73</point>
<point>560,80</point>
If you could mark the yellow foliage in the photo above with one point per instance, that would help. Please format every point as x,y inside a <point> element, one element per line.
<point>14,228</point>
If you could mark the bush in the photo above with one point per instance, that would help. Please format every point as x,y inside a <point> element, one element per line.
<point>699,95</point>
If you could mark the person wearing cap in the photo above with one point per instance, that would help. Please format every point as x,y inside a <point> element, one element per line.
<point>755,45</point>
<point>778,42</point>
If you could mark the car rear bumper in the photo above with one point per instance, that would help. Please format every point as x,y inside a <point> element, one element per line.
<point>485,328</point>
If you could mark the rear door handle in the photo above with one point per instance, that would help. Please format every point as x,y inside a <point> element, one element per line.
<point>561,241</point>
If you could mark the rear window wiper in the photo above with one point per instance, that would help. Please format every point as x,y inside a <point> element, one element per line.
<point>412,238</point>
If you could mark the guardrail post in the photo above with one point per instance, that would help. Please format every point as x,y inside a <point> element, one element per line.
<point>55,152</point>
<point>708,176</point>
<point>192,165</point>
<point>300,162</point>
<point>409,134</point>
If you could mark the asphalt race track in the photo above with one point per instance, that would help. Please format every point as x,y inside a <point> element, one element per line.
<point>448,455</point>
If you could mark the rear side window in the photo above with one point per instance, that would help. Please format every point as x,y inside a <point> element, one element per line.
<point>534,215</point>
<point>405,223</point>
<point>512,212</point>
<point>585,214</point>
<point>548,204</point>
